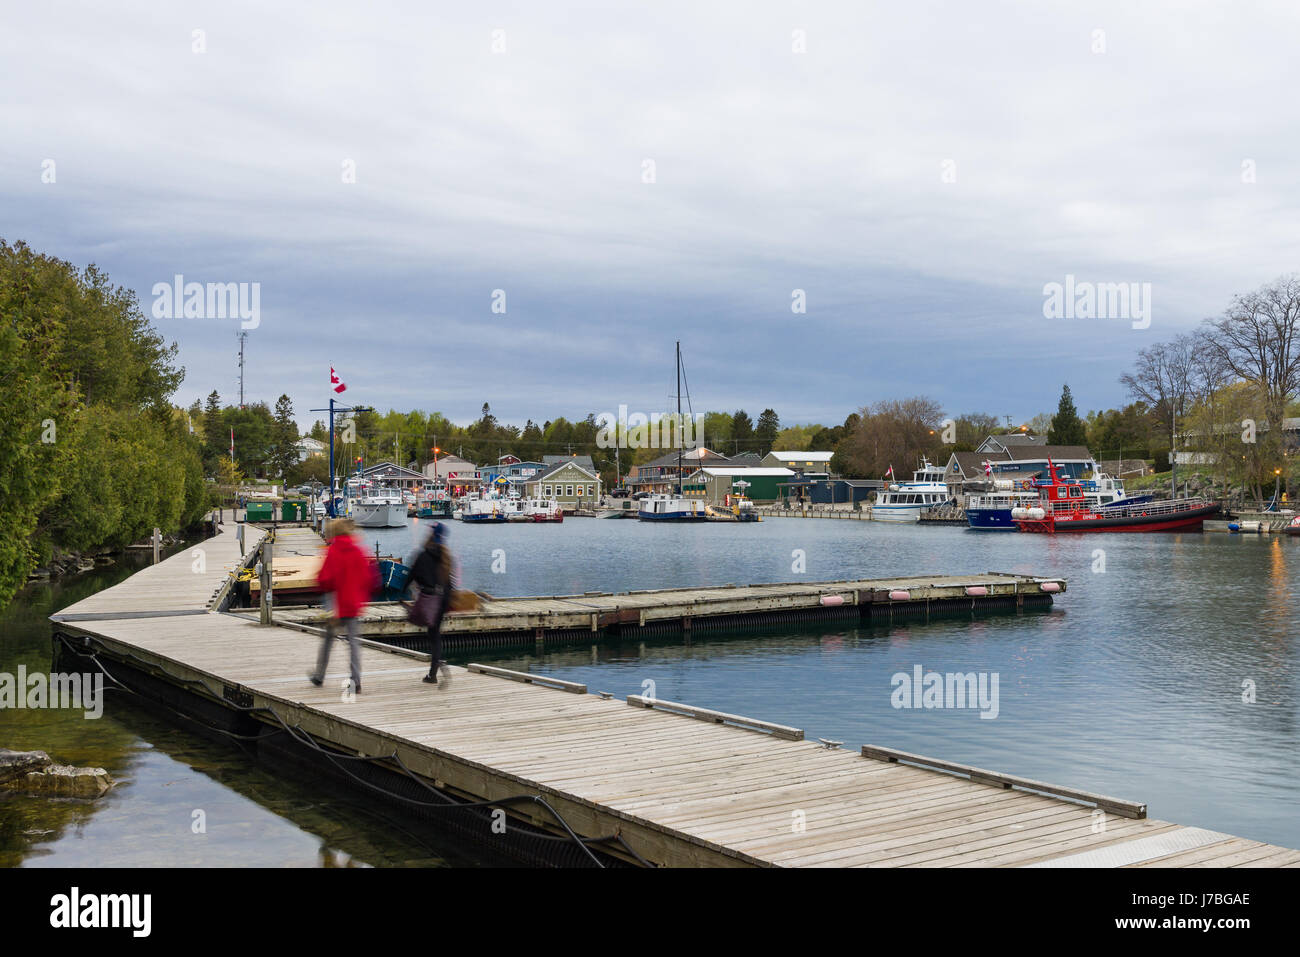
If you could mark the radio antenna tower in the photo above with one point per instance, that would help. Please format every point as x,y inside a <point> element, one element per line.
<point>242,336</point>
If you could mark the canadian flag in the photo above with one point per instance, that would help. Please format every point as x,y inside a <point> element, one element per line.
<point>890,472</point>
<point>988,467</point>
<point>338,384</point>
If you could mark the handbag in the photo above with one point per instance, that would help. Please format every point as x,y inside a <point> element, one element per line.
<point>424,610</point>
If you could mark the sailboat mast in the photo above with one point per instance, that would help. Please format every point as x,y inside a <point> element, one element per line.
<point>679,418</point>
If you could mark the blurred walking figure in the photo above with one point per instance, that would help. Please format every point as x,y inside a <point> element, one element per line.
<point>351,577</point>
<point>435,575</point>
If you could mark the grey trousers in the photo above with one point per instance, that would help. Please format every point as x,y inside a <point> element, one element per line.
<point>353,631</point>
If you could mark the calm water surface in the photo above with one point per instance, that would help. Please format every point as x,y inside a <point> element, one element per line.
<point>1132,685</point>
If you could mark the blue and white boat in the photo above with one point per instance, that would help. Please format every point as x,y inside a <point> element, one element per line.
<point>487,507</point>
<point>905,501</point>
<point>672,508</point>
<point>991,510</point>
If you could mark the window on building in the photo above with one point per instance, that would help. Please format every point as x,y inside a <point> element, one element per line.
<point>548,491</point>
<point>568,491</point>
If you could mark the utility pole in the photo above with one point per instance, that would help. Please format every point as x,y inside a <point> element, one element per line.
<point>243,335</point>
<point>332,410</point>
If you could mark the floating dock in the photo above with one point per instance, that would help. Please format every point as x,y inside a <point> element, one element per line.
<point>502,622</point>
<point>550,773</point>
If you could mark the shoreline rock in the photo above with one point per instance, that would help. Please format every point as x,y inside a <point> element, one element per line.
<point>36,772</point>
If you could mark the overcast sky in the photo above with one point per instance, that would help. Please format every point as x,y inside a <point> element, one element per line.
<point>921,170</point>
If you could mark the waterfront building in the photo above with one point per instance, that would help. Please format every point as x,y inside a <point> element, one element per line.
<point>568,481</point>
<point>661,475</point>
<point>808,464</point>
<point>715,483</point>
<point>394,476</point>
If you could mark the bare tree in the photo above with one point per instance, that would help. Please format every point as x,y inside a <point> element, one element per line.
<point>894,432</point>
<point>1258,340</point>
<point>1165,378</point>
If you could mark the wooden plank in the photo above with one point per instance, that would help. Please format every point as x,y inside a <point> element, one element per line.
<point>718,717</point>
<point>1134,809</point>
<point>527,678</point>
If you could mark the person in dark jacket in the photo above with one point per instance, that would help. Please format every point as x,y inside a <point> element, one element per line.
<point>351,577</point>
<point>433,572</point>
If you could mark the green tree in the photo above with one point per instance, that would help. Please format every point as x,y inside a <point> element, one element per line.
<point>742,433</point>
<point>1067,428</point>
<point>284,438</point>
<point>766,431</point>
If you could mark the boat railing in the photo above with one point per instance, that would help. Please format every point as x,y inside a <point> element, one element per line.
<point>1126,510</point>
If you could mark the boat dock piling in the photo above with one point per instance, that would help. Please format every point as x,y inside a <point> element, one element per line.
<point>539,768</point>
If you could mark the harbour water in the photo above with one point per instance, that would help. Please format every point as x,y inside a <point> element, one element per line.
<point>1138,683</point>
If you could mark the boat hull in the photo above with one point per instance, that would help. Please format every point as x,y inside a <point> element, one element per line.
<point>991,519</point>
<point>379,516</point>
<point>890,513</point>
<point>1174,522</point>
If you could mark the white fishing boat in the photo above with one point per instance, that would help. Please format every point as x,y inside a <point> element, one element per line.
<point>485,507</point>
<point>905,501</point>
<point>378,507</point>
<point>517,510</point>
<point>672,508</point>
<point>543,510</point>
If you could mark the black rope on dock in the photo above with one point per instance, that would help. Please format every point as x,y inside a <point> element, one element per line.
<point>306,739</point>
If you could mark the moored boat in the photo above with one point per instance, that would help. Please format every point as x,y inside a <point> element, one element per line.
<point>991,509</point>
<point>484,508</point>
<point>543,510</point>
<point>377,508</point>
<point>904,501</point>
<point>1062,507</point>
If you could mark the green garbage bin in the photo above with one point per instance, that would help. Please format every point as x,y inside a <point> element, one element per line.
<point>295,510</point>
<point>260,512</point>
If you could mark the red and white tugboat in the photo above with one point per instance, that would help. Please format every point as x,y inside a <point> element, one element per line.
<point>1062,507</point>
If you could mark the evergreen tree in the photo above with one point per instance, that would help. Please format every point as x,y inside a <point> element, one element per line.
<point>216,440</point>
<point>1067,428</point>
<point>284,454</point>
<point>766,431</point>
<point>742,432</point>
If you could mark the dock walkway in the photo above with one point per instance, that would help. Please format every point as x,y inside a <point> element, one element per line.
<point>679,786</point>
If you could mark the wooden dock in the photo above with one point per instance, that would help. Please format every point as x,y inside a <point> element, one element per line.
<point>639,781</point>
<point>500,621</point>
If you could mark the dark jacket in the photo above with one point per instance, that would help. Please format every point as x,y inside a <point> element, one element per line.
<point>431,573</point>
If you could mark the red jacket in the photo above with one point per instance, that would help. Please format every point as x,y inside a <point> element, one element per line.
<point>350,573</point>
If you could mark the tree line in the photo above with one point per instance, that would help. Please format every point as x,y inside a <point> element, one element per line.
<point>92,452</point>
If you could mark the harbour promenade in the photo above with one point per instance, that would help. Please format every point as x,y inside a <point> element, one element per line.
<point>523,761</point>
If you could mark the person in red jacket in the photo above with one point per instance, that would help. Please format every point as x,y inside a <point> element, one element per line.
<point>350,576</point>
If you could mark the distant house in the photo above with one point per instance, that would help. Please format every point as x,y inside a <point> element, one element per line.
<point>805,463</point>
<point>308,447</point>
<point>1015,460</point>
<point>568,481</point>
<point>515,471</point>
<point>662,474</point>
<point>1000,443</point>
<point>714,484</point>
<point>460,475</point>
<point>397,476</point>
